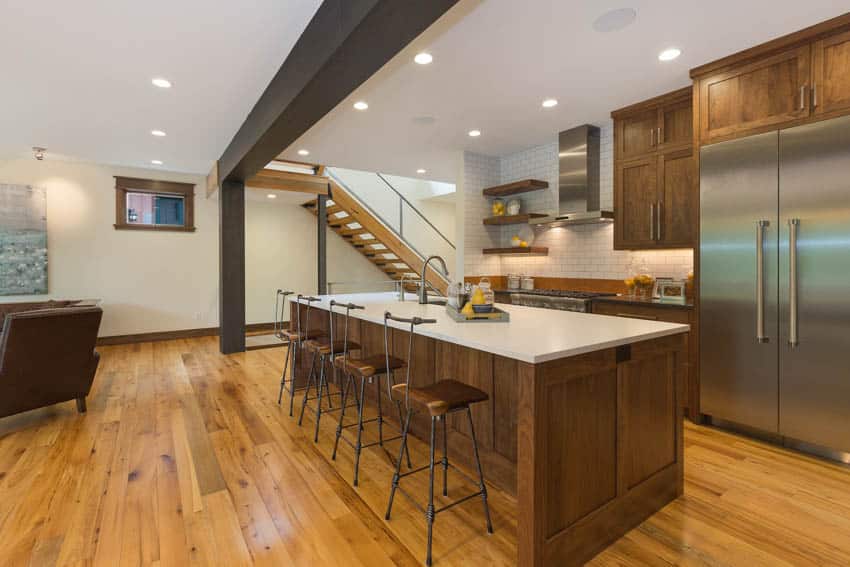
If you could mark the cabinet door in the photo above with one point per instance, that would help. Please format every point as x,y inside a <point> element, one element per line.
<point>678,194</point>
<point>637,134</point>
<point>676,125</point>
<point>636,198</point>
<point>831,74</point>
<point>758,96</point>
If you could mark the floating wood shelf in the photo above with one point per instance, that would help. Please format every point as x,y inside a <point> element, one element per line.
<point>538,250</point>
<point>513,219</point>
<point>515,188</point>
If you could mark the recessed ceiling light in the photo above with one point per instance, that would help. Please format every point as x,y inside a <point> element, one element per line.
<point>360,105</point>
<point>549,103</point>
<point>271,196</point>
<point>303,153</point>
<point>669,54</point>
<point>159,133</point>
<point>156,162</point>
<point>475,133</point>
<point>423,58</point>
<point>420,170</point>
<point>615,20</point>
<point>161,83</point>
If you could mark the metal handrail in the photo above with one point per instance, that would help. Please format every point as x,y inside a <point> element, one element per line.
<point>384,221</point>
<point>415,210</point>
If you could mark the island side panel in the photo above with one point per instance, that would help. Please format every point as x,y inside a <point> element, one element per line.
<point>599,448</point>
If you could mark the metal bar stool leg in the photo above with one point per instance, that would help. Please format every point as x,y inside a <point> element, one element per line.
<point>310,377</point>
<point>283,374</point>
<point>380,413</point>
<point>429,512</point>
<point>322,382</point>
<point>359,445</point>
<point>445,458</point>
<point>481,484</point>
<point>292,378</point>
<point>398,464</point>
<point>344,403</point>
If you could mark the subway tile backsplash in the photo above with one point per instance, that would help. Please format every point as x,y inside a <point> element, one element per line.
<point>581,251</point>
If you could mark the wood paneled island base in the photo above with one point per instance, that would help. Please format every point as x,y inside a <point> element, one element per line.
<point>591,444</point>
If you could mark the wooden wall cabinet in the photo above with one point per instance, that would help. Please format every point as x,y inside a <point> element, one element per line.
<point>789,81</point>
<point>655,180</point>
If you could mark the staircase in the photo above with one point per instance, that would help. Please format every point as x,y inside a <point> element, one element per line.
<point>380,245</point>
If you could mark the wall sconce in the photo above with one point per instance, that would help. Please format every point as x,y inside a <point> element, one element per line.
<point>39,152</point>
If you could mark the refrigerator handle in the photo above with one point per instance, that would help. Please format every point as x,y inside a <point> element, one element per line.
<point>760,335</point>
<point>793,339</point>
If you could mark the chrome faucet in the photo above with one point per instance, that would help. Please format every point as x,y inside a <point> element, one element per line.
<point>423,292</point>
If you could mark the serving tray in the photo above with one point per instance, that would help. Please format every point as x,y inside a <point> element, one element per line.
<point>495,316</point>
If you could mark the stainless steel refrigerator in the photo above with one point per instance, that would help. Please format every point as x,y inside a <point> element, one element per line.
<point>775,283</point>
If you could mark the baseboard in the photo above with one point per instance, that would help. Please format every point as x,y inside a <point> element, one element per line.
<point>157,336</point>
<point>172,335</point>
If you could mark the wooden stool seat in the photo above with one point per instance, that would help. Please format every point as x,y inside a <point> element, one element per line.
<point>442,397</point>
<point>294,336</point>
<point>323,346</point>
<point>368,366</point>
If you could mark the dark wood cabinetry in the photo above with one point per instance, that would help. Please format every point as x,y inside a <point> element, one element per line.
<point>831,74</point>
<point>789,81</point>
<point>622,307</point>
<point>655,179</point>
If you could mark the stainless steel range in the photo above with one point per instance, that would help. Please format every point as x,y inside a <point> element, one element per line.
<point>556,299</point>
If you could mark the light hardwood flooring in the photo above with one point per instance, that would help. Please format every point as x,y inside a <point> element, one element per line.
<point>184,458</point>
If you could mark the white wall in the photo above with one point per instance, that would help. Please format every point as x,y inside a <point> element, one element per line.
<point>280,253</point>
<point>147,281</point>
<point>580,251</point>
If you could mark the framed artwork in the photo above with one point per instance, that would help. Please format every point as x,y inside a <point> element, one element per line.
<point>23,240</point>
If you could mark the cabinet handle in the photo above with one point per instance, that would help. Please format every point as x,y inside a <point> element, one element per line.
<point>634,316</point>
<point>659,138</point>
<point>803,97</point>
<point>652,221</point>
<point>814,95</point>
<point>658,221</point>
<point>652,137</point>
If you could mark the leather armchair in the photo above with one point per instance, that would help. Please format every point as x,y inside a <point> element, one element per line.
<point>47,356</point>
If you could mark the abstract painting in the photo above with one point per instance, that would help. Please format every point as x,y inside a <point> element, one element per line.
<point>23,240</point>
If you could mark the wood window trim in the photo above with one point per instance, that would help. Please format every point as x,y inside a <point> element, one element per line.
<point>124,185</point>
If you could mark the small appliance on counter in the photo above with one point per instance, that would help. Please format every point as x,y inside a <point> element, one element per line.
<point>514,281</point>
<point>527,283</point>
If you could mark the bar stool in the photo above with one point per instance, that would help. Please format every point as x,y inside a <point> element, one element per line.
<point>296,337</point>
<point>367,369</point>
<point>325,348</point>
<point>439,400</point>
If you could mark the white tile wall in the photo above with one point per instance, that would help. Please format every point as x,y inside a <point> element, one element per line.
<point>582,251</point>
<point>479,172</point>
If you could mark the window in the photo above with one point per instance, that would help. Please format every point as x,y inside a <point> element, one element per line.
<point>147,204</point>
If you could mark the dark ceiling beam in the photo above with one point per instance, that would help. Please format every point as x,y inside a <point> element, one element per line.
<point>344,44</point>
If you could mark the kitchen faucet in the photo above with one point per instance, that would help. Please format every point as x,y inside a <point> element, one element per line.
<point>423,294</point>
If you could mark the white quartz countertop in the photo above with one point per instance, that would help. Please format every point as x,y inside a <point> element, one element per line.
<point>533,335</point>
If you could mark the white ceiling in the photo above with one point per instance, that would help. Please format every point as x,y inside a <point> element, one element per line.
<point>496,60</point>
<point>76,75</point>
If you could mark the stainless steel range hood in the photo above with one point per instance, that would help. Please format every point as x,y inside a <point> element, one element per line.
<point>578,179</point>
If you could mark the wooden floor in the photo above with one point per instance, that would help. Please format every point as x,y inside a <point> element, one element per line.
<point>184,458</point>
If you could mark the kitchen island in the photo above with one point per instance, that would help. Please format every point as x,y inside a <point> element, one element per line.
<point>583,422</point>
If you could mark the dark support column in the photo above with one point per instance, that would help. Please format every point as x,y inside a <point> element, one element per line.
<point>231,259</point>
<point>322,243</point>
